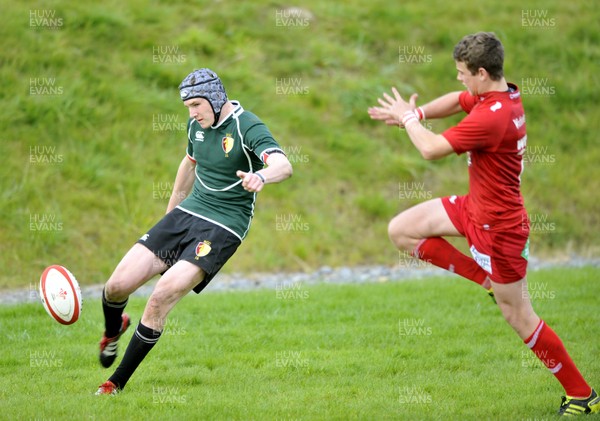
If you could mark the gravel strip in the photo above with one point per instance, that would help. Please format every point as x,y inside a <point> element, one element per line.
<point>413,269</point>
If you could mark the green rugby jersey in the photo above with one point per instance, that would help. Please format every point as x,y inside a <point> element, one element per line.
<point>240,142</point>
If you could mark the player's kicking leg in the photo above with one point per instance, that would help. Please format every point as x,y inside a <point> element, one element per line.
<point>137,267</point>
<point>513,300</point>
<point>172,286</point>
<point>419,231</point>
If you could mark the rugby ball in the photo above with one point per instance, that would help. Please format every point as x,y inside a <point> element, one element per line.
<point>60,294</point>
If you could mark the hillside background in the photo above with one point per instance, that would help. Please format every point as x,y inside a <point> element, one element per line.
<point>92,129</point>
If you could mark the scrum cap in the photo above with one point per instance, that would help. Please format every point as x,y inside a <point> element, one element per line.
<point>204,83</point>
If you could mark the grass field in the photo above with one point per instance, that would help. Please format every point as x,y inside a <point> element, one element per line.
<point>413,350</point>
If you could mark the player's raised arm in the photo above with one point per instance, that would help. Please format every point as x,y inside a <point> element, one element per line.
<point>443,106</point>
<point>430,145</point>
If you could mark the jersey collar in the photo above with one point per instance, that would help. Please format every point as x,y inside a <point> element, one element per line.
<point>235,113</point>
<point>513,92</point>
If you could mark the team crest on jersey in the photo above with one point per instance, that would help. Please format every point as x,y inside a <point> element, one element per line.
<point>227,144</point>
<point>202,249</point>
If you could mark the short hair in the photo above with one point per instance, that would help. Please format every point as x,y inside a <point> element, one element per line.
<point>482,49</point>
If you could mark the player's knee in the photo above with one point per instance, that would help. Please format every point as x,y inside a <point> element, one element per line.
<point>398,235</point>
<point>115,291</point>
<point>118,287</point>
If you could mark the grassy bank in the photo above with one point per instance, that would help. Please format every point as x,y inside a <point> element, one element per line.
<point>91,125</point>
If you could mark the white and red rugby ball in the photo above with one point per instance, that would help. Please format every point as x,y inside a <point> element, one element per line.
<point>60,294</point>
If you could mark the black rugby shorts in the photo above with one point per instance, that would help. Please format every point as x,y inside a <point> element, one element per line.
<point>182,236</point>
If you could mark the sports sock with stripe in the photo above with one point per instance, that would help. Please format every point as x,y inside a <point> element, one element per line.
<point>142,341</point>
<point>112,316</point>
<point>548,347</point>
<point>441,253</point>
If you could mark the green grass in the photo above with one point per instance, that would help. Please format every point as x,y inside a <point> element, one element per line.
<point>106,186</point>
<point>333,352</point>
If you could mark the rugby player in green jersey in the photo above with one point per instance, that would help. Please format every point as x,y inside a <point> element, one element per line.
<point>230,157</point>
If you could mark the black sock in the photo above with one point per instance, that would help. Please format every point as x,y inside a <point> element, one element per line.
<point>112,316</point>
<point>140,345</point>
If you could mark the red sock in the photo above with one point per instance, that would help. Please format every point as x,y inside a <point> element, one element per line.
<point>548,347</point>
<point>441,253</point>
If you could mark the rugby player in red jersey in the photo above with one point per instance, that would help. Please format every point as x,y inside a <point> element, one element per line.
<point>492,216</point>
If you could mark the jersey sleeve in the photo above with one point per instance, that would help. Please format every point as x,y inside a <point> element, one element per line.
<point>473,133</point>
<point>190,144</point>
<point>258,139</point>
<point>467,101</point>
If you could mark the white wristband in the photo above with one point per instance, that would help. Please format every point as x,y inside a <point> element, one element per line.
<point>420,113</point>
<point>408,117</point>
<point>262,178</point>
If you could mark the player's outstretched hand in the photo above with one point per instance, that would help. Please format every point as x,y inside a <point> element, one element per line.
<point>392,109</point>
<point>251,182</point>
<point>379,114</point>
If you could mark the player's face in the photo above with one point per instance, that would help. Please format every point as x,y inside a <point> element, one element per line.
<point>201,111</point>
<point>466,78</point>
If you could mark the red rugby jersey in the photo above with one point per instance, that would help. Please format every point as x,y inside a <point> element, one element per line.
<point>494,137</point>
